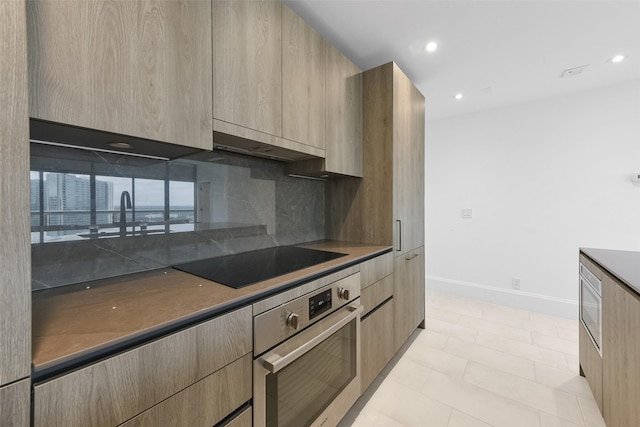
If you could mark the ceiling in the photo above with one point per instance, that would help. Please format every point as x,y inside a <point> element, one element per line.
<point>496,53</point>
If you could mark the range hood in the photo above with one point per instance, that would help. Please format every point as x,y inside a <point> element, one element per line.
<point>230,137</point>
<point>78,137</point>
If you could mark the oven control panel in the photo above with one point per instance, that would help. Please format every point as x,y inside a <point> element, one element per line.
<point>290,317</point>
<point>320,303</point>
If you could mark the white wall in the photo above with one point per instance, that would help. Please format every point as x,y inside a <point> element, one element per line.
<point>543,179</point>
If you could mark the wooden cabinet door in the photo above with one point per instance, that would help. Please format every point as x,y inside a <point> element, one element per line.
<point>15,401</point>
<point>303,81</point>
<point>377,342</point>
<point>139,68</point>
<point>408,294</point>
<point>229,388</point>
<point>15,254</point>
<point>590,364</point>
<point>112,391</point>
<point>344,115</point>
<point>416,172</point>
<point>408,164</point>
<point>620,355</point>
<point>247,64</point>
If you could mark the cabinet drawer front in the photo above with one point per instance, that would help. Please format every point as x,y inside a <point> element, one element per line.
<point>229,388</point>
<point>376,294</point>
<point>375,269</point>
<point>243,419</point>
<point>116,389</point>
<point>377,345</point>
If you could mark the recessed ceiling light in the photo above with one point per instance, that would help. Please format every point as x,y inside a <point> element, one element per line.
<point>431,46</point>
<point>617,58</point>
<point>458,96</point>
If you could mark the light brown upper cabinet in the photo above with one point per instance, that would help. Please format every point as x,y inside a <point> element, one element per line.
<point>344,115</point>
<point>268,81</point>
<point>247,64</point>
<point>139,68</point>
<point>343,118</point>
<point>303,81</point>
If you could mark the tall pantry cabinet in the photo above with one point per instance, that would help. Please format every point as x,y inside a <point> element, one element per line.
<point>15,281</point>
<point>387,205</point>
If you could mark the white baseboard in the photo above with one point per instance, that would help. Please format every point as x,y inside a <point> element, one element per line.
<point>525,300</point>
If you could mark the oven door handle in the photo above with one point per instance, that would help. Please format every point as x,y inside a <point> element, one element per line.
<point>275,362</point>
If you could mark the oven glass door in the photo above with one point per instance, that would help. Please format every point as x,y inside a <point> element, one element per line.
<point>298,393</point>
<point>591,311</point>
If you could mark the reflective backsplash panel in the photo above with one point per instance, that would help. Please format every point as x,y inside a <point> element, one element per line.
<point>96,215</point>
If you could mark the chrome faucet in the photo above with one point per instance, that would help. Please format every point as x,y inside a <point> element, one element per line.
<point>125,197</point>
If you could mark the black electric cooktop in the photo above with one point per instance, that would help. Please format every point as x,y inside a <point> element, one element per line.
<point>247,268</point>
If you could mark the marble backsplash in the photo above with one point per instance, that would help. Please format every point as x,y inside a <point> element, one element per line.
<point>236,204</point>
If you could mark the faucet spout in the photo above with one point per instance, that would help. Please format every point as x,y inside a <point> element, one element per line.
<point>125,203</point>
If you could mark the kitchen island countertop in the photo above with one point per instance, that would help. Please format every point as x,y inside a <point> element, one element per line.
<point>624,265</point>
<point>83,323</point>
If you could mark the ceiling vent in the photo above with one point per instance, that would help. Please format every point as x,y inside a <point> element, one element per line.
<point>570,72</point>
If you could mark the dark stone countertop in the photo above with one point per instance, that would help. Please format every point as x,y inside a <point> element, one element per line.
<point>79,324</point>
<point>623,265</point>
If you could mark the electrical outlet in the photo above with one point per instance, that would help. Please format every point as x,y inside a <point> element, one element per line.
<point>466,213</point>
<point>515,283</point>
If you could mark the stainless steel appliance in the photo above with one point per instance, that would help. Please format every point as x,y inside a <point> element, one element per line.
<point>591,306</point>
<point>306,368</point>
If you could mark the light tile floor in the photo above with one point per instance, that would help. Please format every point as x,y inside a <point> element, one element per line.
<point>478,365</point>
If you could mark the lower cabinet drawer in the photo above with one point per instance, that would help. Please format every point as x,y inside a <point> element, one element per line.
<point>377,343</point>
<point>376,294</point>
<point>118,388</point>
<point>204,403</point>
<point>243,419</point>
<point>375,269</point>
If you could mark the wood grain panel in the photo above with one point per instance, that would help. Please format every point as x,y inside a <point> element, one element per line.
<point>402,159</point>
<point>138,68</point>
<point>110,392</point>
<point>344,117</point>
<point>244,419</point>
<point>376,294</point>
<point>375,269</point>
<point>15,400</point>
<point>303,81</point>
<point>620,354</point>
<point>417,172</point>
<point>204,403</point>
<point>591,365</point>
<point>15,254</point>
<point>408,294</point>
<point>362,210</point>
<point>247,64</point>
<point>377,338</point>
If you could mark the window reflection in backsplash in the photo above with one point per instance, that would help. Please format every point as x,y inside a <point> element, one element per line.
<point>97,215</point>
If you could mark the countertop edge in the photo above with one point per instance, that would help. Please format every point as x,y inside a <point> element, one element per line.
<point>606,259</point>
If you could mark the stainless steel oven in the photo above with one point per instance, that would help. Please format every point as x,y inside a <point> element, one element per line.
<point>307,351</point>
<point>591,306</point>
